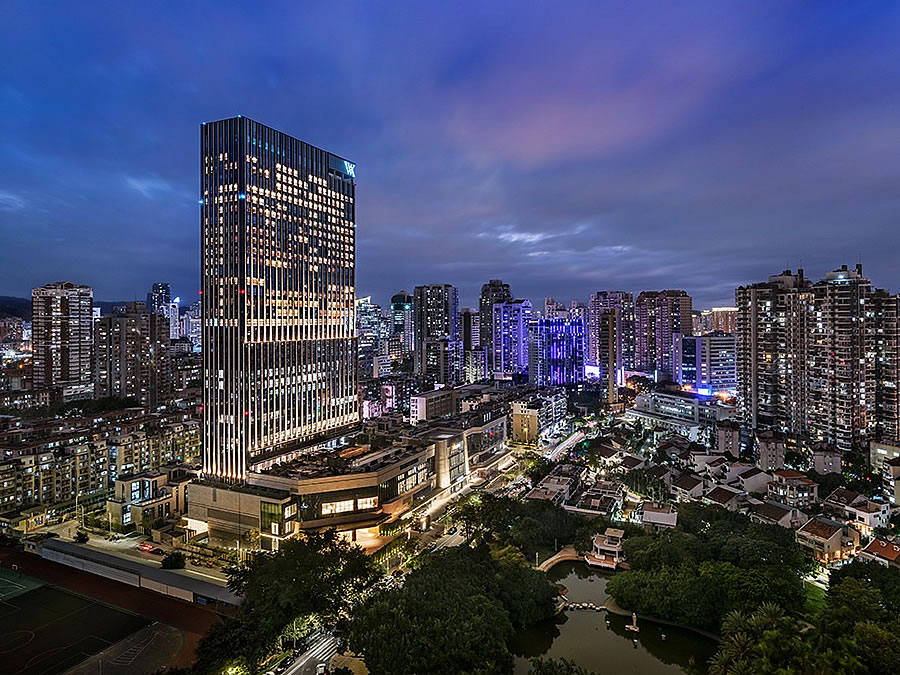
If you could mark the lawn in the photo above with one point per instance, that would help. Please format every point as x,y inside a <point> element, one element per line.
<point>815,599</point>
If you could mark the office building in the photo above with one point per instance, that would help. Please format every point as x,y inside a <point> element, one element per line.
<point>132,356</point>
<point>511,321</point>
<point>278,265</point>
<point>402,320</point>
<point>556,352</point>
<point>706,363</point>
<point>492,292</point>
<point>659,315</point>
<point>436,310</point>
<point>159,298</point>
<point>63,339</point>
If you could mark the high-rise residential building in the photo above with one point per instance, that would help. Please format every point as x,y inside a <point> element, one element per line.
<point>474,355</point>
<point>772,326</point>
<point>841,360</point>
<point>578,310</point>
<point>470,328</point>
<point>706,363</point>
<point>368,326</point>
<point>278,265</point>
<point>556,352</point>
<point>511,322</point>
<point>173,313</point>
<point>658,316</point>
<point>605,343</point>
<point>442,360</point>
<point>63,339</point>
<point>492,292</point>
<point>621,304</point>
<point>132,356</point>
<point>721,319</point>
<point>884,337</point>
<point>11,329</point>
<point>159,298</point>
<point>818,362</point>
<point>436,309</point>
<point>192,324</point>
<point>554,309</point>
<point>402,320</point>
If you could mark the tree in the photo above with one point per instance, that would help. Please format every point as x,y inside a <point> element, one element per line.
<point>454,613</point>
<point>885,579</point>
<point>446,618</point>
<point>524,591</point>
<point>318,576</point>
<point>81,537</point>
<point>173,560</point>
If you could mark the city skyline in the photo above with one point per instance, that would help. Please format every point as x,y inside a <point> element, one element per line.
<point>765,150</point>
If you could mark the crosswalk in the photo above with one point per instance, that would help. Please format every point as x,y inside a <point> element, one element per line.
<point>320,651</point>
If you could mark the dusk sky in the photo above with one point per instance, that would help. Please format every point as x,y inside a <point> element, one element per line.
<point>564,147</point>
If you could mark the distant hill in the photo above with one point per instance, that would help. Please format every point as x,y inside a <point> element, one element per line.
<point>21,307</point>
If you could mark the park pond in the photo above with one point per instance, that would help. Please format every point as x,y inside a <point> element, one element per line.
<point>584,636</point>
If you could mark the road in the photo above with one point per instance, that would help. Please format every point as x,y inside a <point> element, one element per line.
<point>320,651</point>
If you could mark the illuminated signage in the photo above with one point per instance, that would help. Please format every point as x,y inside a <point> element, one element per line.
<point>342,166</point>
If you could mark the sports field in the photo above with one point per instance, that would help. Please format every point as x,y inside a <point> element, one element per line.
<point>45,630</point>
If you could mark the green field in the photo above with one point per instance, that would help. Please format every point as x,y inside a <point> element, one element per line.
<point>46,630</point>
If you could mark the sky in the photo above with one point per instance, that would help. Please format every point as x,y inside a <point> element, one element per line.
<point>563,147</point>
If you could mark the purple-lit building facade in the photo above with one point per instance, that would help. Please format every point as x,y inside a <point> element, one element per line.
<point>556,352</point>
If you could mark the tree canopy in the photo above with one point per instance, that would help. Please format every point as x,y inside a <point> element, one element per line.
<point>454,614</point>
<point>317,578</point>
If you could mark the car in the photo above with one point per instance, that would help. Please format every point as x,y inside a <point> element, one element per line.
<point>146,547</point>
<point>321,669</point>
<point>453,530</point>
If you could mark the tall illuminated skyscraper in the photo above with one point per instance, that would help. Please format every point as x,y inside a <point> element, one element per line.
<point>556,352</point>
<point>278,264</point>
<point>492,292</point>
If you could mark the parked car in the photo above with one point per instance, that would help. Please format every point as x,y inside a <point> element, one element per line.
<point>453,530</point>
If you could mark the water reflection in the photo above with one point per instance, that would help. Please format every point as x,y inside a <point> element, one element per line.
<point>599,641</point>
